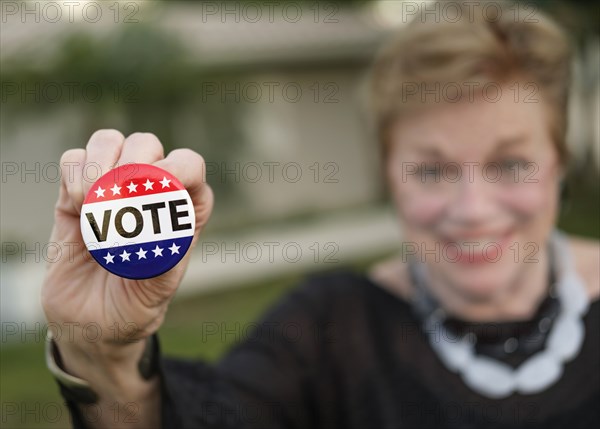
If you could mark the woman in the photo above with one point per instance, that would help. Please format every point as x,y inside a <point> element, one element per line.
<point>489,317</point>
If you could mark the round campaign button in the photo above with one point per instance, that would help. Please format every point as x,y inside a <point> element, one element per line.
<point>137,221</point>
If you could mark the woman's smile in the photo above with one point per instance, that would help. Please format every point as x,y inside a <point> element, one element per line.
<point>477,247</point>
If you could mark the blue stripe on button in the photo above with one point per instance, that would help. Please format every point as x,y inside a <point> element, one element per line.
<point>137,267</point>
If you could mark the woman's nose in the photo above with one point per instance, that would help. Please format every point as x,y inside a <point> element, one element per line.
<point>472,200</point>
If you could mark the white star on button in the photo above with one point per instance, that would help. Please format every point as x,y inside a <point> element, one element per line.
<point>132,187</point>
<point>148,184</point>
<point>124,256</point>
<point>165,183</point>
<point>109,258</point>
<point>99,192</point>
<point>116,190</point>
<point>141,253</point>
<point>157,251</point>
<point>174,249</point>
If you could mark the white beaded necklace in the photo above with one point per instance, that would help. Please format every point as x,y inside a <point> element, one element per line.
<point>495,379</point>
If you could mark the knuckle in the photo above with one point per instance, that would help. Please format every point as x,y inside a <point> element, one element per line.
<point>148,140</point>
<point>192,156</point>
<point>143,137</point>
<point>107,135</point>
<point>72,155</point>
<point>107,141</point>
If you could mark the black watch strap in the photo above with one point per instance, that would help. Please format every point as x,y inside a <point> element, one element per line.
<point>148,364</point>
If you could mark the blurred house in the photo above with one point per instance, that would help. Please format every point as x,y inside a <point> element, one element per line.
<point>305,144</point>
<point>292,87</point>
<point>295,95</point>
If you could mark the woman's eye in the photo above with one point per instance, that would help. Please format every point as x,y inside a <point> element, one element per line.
<point>429,173</point>
<point>513,170</point>
<point>512,164</point>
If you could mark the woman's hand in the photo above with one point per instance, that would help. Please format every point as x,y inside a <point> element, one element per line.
<point>78,293</point>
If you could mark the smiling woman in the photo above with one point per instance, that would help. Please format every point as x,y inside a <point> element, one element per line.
<point>474,164</point>
<point>481,215</point>
<point>472,118</point>
<point>488,318</point>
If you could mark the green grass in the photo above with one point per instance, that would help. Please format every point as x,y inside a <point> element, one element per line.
<point>187,332</point>
<point>28,394</point>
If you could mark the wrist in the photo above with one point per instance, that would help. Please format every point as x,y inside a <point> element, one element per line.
<point>80,358</point>
<point>119,372</point>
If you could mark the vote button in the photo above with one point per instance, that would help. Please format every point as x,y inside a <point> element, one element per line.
<point>137,221</point>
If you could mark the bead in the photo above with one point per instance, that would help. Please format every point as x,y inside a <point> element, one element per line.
<point>544,325</point>
<point>537,373</point>
<point>492,378</point>
<point>573,295</point>
<point>511,345</point>
<point>566,337</point>
<point>454,354</point>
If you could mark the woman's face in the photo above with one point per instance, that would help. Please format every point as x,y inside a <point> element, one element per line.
<point>476,187</point>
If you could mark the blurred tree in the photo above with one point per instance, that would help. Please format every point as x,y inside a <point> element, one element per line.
<point>147,83</point>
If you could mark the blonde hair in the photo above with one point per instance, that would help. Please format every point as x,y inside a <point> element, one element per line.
<point>474,44</point>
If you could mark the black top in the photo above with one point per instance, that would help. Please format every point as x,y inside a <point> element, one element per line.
<point>341,352</point>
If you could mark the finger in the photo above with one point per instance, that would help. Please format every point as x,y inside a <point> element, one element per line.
<point>143,148</point>
<point>190,169</point>
<point>102,152</point>
<point>206,201</point>
<point>188,166</point>
<point>71,193</point>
